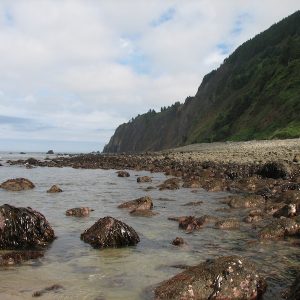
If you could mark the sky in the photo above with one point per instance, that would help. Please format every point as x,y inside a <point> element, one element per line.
<point>72,71</point>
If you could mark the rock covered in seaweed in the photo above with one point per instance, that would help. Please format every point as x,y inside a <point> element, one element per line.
<point>17,184</point>
<point>109,232</point>
<point>228,277</point>
<point>23,228</point>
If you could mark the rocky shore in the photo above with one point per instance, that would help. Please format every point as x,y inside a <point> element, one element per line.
<point>264,179</point>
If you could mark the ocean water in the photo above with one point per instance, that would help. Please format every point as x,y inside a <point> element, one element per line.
<point>126,273</point>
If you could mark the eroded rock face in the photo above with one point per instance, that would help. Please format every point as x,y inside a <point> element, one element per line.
<point>79,212</point>
<point>23,228</point>
<point>18,257</point>
<point>144,179</point>
<point>229,277</point>
<point>123,174</point>
<point>54,189</point>
<point>109,232</point>
<point>17,184</point>
<point>143,203</point>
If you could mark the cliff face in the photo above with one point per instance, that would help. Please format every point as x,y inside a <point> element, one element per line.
<point>254,94</point>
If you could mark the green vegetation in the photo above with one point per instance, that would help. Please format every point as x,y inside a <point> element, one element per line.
<point>254,94</point>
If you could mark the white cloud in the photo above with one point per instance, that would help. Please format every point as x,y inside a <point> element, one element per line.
<point>79,68</point>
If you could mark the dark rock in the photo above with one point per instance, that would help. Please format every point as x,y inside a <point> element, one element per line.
<point>17,184</point>
<point>123,174</point>
<point>23,228</point>
<point>280,228</point>
<point>179,241</point>
<point>190,223</point>
<point>79,212</point>
<point>18,257</point>
<point>229,277</point>
<point>110,233</point>
<point>144,179</point>
<point>53,288</point>
<point>170,184</point>
<point>274,170</point>
<point>193,203</point>
<point>228,224</point>
<point>54,189</point>
<point>50,152</point>
<point>247,201</point>
<point>143,203</point>
<point>32,161</point>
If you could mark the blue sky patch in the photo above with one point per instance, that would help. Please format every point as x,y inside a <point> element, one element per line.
<point>164,17</point>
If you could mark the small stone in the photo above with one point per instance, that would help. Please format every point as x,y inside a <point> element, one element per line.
<point>54,189</point>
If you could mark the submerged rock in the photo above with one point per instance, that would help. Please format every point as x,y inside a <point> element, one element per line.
<point>17,184</point>
<point>228,224</point>
<point>23,228</point>
<point>280,228</point>
<point>18,257</point>
<point>53,288</point>
<point>190,223</point>
<point>143,203</point>
<point>79,211</point>
<point>123,174</point>
<point>229,277</point>
<point>144,179</point>
<point>247,201</point>
<point>54,189</point>
<point>170,184</point>
<point>109,232</point>
<point>294,291</point>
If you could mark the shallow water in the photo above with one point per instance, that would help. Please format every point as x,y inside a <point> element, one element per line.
<point>127,273</point>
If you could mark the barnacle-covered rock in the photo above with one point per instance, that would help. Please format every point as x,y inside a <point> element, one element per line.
<point>23,228</point>
<point>228,277</point>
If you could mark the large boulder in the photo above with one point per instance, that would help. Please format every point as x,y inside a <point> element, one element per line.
<point>109,232</point>
<point>23,228</point>
<point>17,184</point>
<point>228,277</point>
<point>143,203</point>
